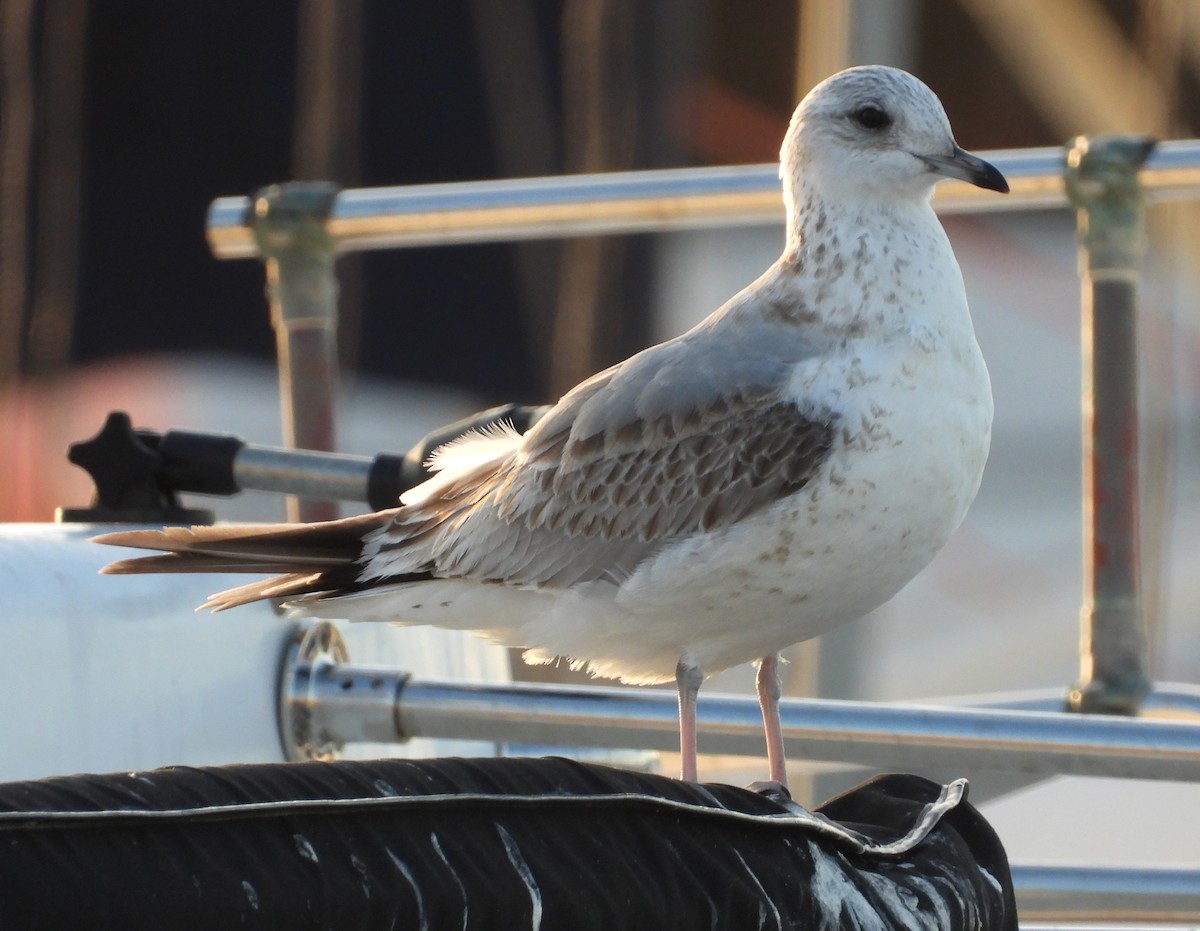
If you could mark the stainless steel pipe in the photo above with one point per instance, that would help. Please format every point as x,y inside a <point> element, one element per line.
<point>862,733</point>
<point>1076,893</point>
<point>645,201</point>
<point>302,472</point>
<point>323,692</point>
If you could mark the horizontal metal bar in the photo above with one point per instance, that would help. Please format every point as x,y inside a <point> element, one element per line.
<point>860,733</point>
<point>844,731</point>
<point>1102,925</point>
<point>1176,700</point>
<point>1089,893</point>
<point>224,464</point>
<point>645,201</point>
<point>335,701</point>
<point>306,473</point>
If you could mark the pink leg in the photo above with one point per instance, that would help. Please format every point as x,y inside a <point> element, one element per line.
<point>769,689</point>
<point>688,679</point>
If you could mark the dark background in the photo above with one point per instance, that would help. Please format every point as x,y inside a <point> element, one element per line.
<point>142,113</point>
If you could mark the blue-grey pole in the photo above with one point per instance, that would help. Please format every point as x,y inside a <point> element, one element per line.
<point>1102,183</point>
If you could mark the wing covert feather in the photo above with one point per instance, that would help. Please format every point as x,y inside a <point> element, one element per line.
<point>638,455</point>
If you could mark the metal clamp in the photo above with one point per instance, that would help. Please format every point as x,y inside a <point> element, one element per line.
<point>325,703</point>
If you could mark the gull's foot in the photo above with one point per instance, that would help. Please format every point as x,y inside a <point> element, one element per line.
<point>770,789</point>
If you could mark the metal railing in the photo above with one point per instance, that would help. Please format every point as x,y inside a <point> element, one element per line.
<point>639,202</point>
<point>299,229</point>
<point>328,701</point>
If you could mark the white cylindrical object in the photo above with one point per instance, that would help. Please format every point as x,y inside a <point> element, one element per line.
<point>110,673</point>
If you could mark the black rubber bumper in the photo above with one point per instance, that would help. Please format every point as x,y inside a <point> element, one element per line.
<point>549,844</point>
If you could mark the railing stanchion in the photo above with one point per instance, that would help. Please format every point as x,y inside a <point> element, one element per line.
<point>290,230</point>
<point>1102,182</point>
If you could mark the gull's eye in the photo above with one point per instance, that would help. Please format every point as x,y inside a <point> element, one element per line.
<point>870,116</point>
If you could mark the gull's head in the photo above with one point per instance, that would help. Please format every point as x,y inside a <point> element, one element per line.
<point>875,134</point>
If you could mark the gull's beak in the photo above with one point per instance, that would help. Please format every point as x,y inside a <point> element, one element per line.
<point>966,167</point>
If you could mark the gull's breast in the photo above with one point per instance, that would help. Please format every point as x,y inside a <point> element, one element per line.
<point>912,440</point>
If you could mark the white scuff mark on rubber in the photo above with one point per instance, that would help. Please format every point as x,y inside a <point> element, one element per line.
<point>364,878</point>
<point>992,881</point>
<point>837,897</point>
<point>304,848</point>
<point>385,788</point>
<point>437,848</point>
<point>522,867</point>
<point>422,923</point>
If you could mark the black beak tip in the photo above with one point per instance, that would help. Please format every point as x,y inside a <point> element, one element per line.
<point>970,168</point>
<point>982,174</point>
<point>990,179</point>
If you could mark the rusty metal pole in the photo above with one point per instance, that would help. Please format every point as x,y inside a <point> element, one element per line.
<point>1102,183</point>
<point>289,223</point>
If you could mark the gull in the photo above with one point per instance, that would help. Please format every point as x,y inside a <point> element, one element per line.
<point>785,466</point>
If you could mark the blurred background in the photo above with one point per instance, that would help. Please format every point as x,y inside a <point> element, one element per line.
<point>121,121</point>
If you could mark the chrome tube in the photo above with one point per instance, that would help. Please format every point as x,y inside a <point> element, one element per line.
<point>339,702</point>
<point>1025,925</point>
<point>646,201</point>
<point>326,692</point>
<point>302,472</point>
<point>862,733</point>
<point>1101,925</point>
<point>527,208</point>
<point>1089,893</point>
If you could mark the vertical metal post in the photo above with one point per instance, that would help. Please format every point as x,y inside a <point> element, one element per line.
<point>289,229</point>
<point>1102,182</point>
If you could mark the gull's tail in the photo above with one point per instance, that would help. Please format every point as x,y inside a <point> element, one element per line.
<point>307,558</point>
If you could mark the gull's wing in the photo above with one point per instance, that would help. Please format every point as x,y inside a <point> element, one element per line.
<point>689,436</point>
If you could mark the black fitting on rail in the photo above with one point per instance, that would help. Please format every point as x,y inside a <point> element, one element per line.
<point>132,482</point>
<point>138,473</point>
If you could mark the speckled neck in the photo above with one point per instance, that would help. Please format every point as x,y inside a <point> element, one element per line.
<point>868,265</point>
